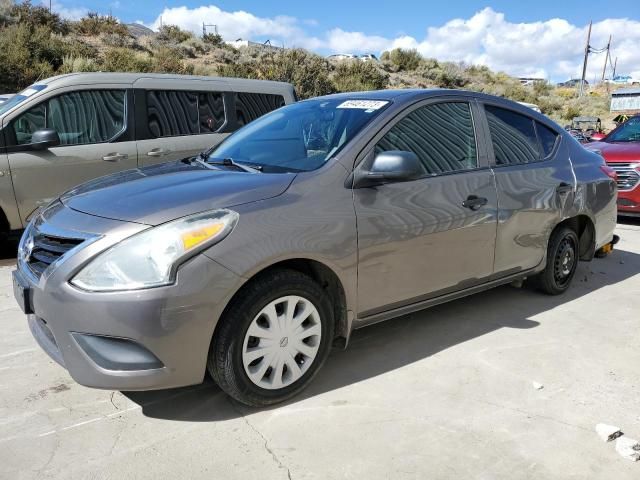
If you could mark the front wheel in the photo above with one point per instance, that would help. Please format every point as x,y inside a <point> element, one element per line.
<point>562,261</point>
<point>273,339</point>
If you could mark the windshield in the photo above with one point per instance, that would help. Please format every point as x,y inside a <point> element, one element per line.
<point>627,132</point>
<point>299,137</point>
<point>20,97</point>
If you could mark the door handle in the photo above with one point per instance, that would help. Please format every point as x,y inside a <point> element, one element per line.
<point>115,157</point>
<point>157,152</point>
<point>564,187</point>
<point>474,203</point>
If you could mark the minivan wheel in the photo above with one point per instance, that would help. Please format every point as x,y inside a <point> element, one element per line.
<point>273,339</point>
<point>562,261</point>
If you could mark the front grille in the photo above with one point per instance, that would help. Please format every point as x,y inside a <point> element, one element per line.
<point>46,249</point>
<point>628,176</point>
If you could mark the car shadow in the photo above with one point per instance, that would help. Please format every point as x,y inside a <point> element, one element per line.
<point>387,346</point>
<point>8,250</point>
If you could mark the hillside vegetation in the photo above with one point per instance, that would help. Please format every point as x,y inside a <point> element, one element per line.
<point>37,44</point>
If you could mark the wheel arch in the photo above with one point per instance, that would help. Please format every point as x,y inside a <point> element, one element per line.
<point>325,276</point>
<point>585,230</point>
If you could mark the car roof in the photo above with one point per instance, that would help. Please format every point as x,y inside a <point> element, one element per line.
<point>112,77</point>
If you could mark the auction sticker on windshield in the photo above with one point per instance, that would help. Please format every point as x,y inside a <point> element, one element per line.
<point>368,105</point>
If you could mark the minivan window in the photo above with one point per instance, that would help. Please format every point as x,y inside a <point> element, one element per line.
<point>441,135</point>
<point>547,138</point>
<point>250,106</point>
<point>299,137</point>
<point>512,135</point>
<point>176,113</point>
<point>80,118</point>
<point>172,113</point>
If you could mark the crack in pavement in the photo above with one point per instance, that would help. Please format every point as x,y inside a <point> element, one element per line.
<point>264,439</point>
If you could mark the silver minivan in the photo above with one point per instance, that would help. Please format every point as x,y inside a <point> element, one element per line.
<point>66,130</point>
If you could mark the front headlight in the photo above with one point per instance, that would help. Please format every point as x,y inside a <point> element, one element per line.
<point>150,258</point>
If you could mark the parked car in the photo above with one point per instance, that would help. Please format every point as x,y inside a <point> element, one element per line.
<point>254,258</point>
<point>532,106</point>
<point>69,129</point>
<point>342,56</point>
<point>621,150</point>
<point>573,83</point>
<point>368,57</point>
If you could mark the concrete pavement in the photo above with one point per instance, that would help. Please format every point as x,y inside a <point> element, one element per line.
<point>444,393</point>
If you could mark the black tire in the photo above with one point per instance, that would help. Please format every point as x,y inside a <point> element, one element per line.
<point>225,354</point>
<point>562,261</point>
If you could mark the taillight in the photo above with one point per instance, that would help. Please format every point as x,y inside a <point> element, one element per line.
<point>609,172</point>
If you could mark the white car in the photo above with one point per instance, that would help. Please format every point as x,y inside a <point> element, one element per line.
<point>623,80</point>
<point>368,57</point>
<point>342,56</point>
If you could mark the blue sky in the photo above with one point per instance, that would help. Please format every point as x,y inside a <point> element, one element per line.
<point>523,38</point>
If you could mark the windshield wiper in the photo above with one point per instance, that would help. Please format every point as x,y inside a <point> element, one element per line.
<point>199,159</point>
<point>230,162</point>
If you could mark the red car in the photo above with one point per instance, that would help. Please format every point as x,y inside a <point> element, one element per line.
<point>621,151</point>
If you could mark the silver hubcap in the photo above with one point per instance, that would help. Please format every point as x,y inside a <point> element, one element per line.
<point>281,342</point>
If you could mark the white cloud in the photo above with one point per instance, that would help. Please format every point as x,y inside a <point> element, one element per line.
<point>69,13</point>
<point>552,48</point>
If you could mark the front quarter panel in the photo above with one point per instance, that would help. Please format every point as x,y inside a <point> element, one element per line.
<point>320,228</point>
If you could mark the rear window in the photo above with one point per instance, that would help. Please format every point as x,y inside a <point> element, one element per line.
<point>512,135</point>
<point>176,113</point>
<point>250,106</point>
<point>548,138</point>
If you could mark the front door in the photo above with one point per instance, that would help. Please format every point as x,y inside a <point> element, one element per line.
<point>431,236</point>
<point>92,128</point>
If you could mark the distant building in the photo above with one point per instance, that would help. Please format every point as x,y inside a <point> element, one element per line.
<point>626,100</point>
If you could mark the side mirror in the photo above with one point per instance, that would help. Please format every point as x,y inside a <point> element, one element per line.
<point>44,139</point>
<point>390,167</point>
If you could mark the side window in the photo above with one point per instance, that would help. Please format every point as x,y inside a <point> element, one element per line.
<point>250,106</point>
<point>27,123</point>
<point>211,111</point>
<point>172,113</point>
<point>548,138</point>
<point>80,118</point>
<point>512,135</point>
<point>441,135</point>
<point>87,116</point>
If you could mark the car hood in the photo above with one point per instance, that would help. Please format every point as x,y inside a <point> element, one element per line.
<point>160,193</point>
<point>618,152</point>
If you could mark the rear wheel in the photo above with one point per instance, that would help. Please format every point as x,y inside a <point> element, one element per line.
<point>273,339</point>
<point>562,261</point>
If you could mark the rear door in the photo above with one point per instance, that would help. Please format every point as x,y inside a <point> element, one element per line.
<point>432,236</point>
<point>96,139</point>
<point>535,185</point>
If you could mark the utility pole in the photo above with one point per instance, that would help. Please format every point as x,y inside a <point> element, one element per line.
<point>606,60</point>
<point>586,57</point>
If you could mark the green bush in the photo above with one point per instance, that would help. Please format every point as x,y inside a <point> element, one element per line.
<point>308,72</point>
<point>78,64</point>
<point>401,59</point>
<point>125,60</point>
<point>168,60</point>
<point>27,54</point>
<point>94,24</point>
<point>34,16</point>
<point>356,75</point>
<point>173,34</point>
<point>213,39</point>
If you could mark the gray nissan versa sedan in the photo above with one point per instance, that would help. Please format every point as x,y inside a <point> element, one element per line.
<point>252,259</point>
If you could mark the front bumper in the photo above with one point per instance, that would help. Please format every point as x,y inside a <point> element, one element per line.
<point>139,340</point>
<point>629,202</point>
